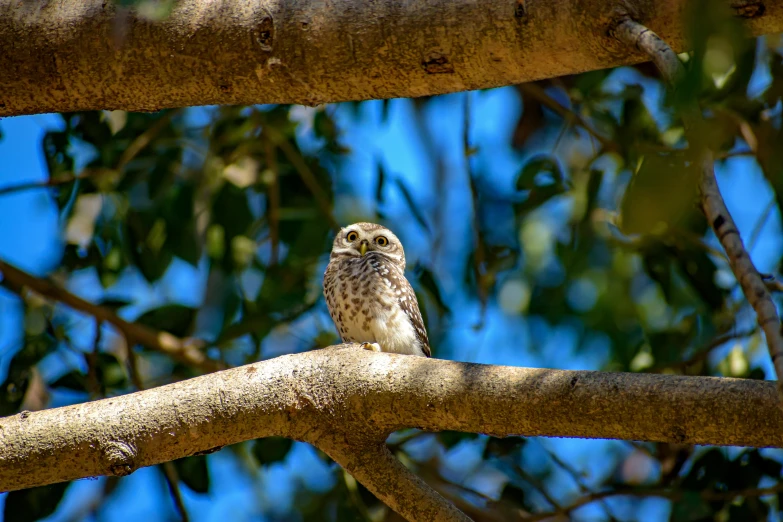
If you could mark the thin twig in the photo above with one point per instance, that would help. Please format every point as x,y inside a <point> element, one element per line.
<point>274,199</point>
<point>671,494</point>
<point>144,139</point>
<point>578,479</point>
<point>92,362</point>
<point>257,320</point>
<point>635,34</point>
<point>478,260</point>
<point>702,353</point>
<point>759,226</point>
<point>537,92</point>
<point>533,481</point>
<point>47,183</point>
<point>185,350</point>
<point>167,468</point>
<point>172,480</point>
<point>307,175</point>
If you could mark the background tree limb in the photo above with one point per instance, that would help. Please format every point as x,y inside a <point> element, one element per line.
<point>185,350</point>
<point>86,55</point>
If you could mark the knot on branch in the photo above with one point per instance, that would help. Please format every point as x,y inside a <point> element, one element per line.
<point>437,63</point>
<point>265,33</point>
<point>120,458</point>
<point>749,8</point>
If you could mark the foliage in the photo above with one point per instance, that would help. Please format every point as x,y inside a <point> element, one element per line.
<point>602,239</point>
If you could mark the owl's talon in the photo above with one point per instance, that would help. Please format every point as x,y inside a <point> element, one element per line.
<point>373,347</point>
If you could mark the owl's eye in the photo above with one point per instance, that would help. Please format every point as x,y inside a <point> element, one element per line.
<point>381,241</point>
<point>352,236</point>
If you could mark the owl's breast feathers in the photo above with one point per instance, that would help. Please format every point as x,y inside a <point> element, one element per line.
<point>370,300</point>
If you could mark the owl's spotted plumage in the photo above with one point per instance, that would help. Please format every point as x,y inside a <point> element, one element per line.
<point>367,294</point>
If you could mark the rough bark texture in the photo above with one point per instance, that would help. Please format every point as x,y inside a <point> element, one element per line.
<point>70,55</point>
<point>345,400</point>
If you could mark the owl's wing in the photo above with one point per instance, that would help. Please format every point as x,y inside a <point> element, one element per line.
<point>410,306</point>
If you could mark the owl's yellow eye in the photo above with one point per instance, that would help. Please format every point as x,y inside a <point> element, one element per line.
<point>352,236</point>
<point>381,241</point>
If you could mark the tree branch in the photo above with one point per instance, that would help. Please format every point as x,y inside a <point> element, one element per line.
<point>671,494</point>
<point>635,34</point>
<point>184,350</point>
<point>346,401</point>
<point>236,53</point>
<point>374,466</point>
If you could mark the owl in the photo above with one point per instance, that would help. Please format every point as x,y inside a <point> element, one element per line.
<point>370,300</point>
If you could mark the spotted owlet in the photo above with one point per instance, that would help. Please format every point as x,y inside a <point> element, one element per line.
<point>368,297</point>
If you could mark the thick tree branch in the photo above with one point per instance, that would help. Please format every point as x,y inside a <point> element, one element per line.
<point>345,400</point>
<point>186,350</point>
<point>374,466</point>
<point>755,290</point>
<point>92,54</point>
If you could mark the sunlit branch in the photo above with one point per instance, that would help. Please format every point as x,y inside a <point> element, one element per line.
<point>635,34</point>
<point>343,393</point>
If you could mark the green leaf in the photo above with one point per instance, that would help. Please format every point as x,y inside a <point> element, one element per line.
<point>661,193</point>
<point>72,380</point>
<point>113,303</point>
<point>30,505</point>
<point>111,374</point>
<point>381,172</point>
<point>13,390</point>
<point>451,438</point>
<point>700,270</point>
<point>415,209</point>
<point>146,236</point>
<point>638,123</point>
<point>543,179</point>
<point>184,243</point>
<point>271,449</point>
<point>497,447</point>
<point>174,318</point>
<point>709,468</point>
<point>691,507</point>
<point>541,170</point>
<point>669,346</point>
<point>426,280</point>
<point>514,495</point>
<point>194,473</point>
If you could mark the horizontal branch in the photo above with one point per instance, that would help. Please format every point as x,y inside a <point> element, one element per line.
<point>92,54</point>
<point>343,397</point>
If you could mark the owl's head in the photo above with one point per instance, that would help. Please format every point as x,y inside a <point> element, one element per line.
<point>361,239</point>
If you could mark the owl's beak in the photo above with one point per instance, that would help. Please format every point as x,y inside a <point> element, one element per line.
<point>363,248</point>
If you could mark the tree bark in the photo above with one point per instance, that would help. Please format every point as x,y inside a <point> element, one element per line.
<point>346,401</point>
<point>75,55</point>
